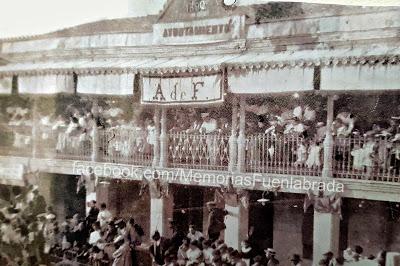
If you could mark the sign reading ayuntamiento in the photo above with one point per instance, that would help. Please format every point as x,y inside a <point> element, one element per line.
<point>199,31</point>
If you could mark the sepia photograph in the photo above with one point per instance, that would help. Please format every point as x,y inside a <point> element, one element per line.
<point>200,133</point>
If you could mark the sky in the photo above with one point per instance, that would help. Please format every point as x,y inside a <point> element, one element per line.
<point>30,17</point>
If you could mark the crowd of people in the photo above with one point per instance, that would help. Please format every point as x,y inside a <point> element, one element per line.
<point>30,234</point>
<point>271,135</point>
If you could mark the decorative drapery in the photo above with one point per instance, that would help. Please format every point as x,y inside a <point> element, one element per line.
<point>106,84</point>
<point>271,80</point>
<point>360,77</point>
<point>5,85</point>
<point>46,84</point>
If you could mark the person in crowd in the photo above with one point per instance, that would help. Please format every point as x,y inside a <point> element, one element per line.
<point>111,232</point>
<point>236,259</point>
<point>122,253</point>
<point>92,214</point>
<point>215,221</point>
<point>270,257</point>
<point>158,249</point>
<point>182,252</point>
<point>68,260</point>
<point>193,234</point>
<point>328,257</point>
<point>207,251</point>
<point>95,235</point>
<point>357,255</point>
<point>257,261</point>
<point>134,237</point>
<point>296,260</point>
<point>193,253</point>
<point>247,252</point>
<point>104,216</point>
<point>320,132</point>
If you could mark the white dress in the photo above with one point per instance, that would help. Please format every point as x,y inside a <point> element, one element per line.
<point>313,156</point>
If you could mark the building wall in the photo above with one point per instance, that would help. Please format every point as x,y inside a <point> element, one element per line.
<point>288,221</point>
<point>59,192</point>
<point>124,202</point>
<point>370,226</point>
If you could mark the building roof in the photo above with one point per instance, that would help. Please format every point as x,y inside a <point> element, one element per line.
<point>173,12</point>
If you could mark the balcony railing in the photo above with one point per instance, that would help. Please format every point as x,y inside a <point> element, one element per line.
<point>198,151</point>
<point>375,159</point>
<point>126,146</point>
<point>369,159</point>
<point>284,154</point>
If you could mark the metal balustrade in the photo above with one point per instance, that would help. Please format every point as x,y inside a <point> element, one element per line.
<point>126,146</point>
<point>367,158</point>
<point>282,154</point>
<point>198,151</point>
<point>376,159</point>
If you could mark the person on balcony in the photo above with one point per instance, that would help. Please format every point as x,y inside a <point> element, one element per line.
<point>209,127</point>
<point>368,156</point>
<point>357,154</point>
<point>314,154</point>
<point>301,154</point>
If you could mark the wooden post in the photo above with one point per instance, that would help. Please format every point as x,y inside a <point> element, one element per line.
<point>241,153</point>
<point>163,139</point>
<point>233,138</point>
<point>156,148</point>
<point>327,170</point>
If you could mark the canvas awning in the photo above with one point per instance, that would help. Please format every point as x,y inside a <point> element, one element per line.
<point>344,69</point>
<point>5,85</point>
<point>46,84</point>
<point>106,84</point>
<point>373,68</point>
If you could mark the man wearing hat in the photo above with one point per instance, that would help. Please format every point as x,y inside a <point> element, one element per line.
<point>216,219</point>
<point>296,260</point>
<point>270,257</point>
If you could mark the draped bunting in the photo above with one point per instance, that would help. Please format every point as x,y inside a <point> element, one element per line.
<point>108,84</point>
<point>271,80</point>
<point>46,84</point>
<point>360,77</point>
<point>5,85</point>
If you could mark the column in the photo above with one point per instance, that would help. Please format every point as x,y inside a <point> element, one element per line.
<point>161,210</point>
<point>233,138</point>
<point>237,225</point>
<point>156,148</point>
<point>95,144</point>
<point>103,193</point>
<point>35,127</point>
<point>326,234</point>
<point>96,136</point>
<point>327,170</point>
<point>163,139</point>
<point>241,138</point>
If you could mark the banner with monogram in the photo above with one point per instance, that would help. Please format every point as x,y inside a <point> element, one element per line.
<point>182,90</point>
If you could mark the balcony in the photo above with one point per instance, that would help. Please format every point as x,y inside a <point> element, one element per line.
<point>375,159</point>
